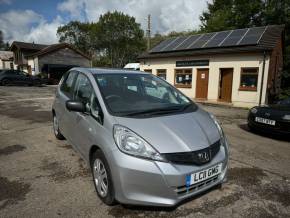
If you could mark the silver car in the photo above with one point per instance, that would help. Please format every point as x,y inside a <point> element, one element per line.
<point>146,142</point>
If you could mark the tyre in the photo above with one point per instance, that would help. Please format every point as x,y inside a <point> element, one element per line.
<point>102,178</point>
<point>56,131</point>
<point>5,82</point>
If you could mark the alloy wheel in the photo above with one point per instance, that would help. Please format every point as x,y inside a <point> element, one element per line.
<point>55,125</point>
<point>100,177</point>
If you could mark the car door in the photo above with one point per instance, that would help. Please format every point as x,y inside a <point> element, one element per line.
<point>20,77</point>
<point>87,126</point>
<point>65,93</point>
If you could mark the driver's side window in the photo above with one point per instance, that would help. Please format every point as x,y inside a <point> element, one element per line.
<point>84,92</point>
<point>83,89</point>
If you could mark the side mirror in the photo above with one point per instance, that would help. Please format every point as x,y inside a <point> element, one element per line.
<point>76,106</point>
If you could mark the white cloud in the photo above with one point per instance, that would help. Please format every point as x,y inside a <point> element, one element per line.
<point>27,25</point>
<point>166,15</point>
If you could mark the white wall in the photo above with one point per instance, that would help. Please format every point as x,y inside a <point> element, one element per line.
<point>235,61</point>
<point>5,64</point>
<point>33,62</point>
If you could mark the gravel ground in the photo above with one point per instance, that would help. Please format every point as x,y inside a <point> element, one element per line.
<point>43,177</point>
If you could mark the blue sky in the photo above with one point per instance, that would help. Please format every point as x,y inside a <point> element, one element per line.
<point>37,20</point>
<point>45,7</point>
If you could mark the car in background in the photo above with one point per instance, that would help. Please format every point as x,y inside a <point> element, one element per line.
<point>17,77</point>
<point>272,119</point>
<point>132,66</point>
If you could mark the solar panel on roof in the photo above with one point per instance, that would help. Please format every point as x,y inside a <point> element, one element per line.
<point>252,36</point>
<point>217,39</point>
<point>187,42</point>
<point>239,37</point>
<point>200,42</point>
<point>174,44</point>
<point>161,45</point>
<point>234,37</point>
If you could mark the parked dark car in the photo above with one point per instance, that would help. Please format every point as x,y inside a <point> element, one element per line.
<point>17,77</point>
<point>274,119</point>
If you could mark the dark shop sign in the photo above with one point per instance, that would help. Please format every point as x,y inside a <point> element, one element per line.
<point>192,63</point>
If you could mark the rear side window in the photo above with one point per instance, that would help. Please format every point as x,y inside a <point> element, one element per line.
<point>67,85</point>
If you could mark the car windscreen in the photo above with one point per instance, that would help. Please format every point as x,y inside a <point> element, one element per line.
<point>140,94</point>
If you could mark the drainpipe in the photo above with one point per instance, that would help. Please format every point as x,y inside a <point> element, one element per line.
<point>262,80</point>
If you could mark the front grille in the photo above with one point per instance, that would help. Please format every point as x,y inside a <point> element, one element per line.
<point>195,187</point>
<point>194,157</point>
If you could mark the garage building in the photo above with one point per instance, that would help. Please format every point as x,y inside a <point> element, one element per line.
<point>239,67</point>
<point>50,60</point>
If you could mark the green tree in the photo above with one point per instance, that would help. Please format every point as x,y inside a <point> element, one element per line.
<point>78,34</point>
<point>120,37</point>
<point>4,46</point>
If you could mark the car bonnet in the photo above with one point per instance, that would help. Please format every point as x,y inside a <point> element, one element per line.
<point>175,133</point>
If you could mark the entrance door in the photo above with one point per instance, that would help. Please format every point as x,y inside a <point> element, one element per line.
<point>226,81</point>
<point>201,83</point>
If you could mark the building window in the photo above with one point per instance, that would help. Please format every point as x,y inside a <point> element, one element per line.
<point>11,65</point>
<point>183,78</point>
<point>161,73</point>
<point>148,70</point>
<point>249,79</point>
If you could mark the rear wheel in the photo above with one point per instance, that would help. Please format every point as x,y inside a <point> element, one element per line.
<point>56,131</point>
<point>102,178</point>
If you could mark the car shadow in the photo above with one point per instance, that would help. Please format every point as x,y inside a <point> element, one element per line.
<point>279,137</point>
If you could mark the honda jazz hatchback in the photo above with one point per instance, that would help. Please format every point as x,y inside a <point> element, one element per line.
<point>146,142</point>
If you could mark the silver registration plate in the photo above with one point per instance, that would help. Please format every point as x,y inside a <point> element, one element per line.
<point>265,121</point>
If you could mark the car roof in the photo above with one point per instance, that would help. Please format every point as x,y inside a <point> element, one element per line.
<point>107,70</point>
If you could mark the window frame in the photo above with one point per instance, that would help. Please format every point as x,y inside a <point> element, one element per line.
<point>161,71</point>
<point>248,88</point>
<point>188,86</point>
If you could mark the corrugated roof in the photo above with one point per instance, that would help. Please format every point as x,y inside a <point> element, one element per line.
<point>241,40</point>
<point>6,55</point>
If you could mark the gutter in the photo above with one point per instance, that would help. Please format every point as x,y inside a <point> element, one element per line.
<point>262,79</point>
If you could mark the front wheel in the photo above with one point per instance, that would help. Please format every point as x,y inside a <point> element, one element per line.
<point>102,178</point>
<point>56,131</point>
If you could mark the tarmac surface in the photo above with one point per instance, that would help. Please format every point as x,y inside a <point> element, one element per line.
<point>43,177</point>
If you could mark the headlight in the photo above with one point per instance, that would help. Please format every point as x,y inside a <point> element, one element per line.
<point>254,110</point>
<point>217,125</point>
<point>286,117</point>
<point>132,144</point>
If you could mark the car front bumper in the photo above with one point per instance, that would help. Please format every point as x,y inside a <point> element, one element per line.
<point>281,128</point>
<point>144,182</point>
